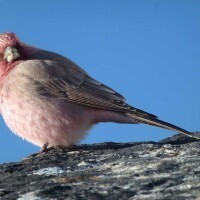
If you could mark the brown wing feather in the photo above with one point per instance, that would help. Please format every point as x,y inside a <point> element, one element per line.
<point>69,82</point>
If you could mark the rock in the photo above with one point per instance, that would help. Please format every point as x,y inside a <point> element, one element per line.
<point>169,169</point>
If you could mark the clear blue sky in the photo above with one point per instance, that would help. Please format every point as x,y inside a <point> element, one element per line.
<point>146,50</point>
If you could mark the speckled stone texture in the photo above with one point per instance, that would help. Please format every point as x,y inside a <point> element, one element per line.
<point>167,170</point>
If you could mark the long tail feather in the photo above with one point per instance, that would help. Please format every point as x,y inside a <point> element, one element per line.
<point>162,124</point>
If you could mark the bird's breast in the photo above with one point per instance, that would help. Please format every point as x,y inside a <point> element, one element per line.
<point>41,121</point>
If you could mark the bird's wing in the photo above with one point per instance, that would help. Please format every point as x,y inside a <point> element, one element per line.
<point>64,80</point>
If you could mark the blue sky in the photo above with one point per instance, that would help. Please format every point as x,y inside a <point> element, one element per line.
<point>146,50</point>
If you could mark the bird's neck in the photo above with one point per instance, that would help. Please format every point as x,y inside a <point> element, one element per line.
<point>5,68</point>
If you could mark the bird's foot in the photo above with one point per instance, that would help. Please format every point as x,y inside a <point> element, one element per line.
<point>43,150</point>
<point>46,149</point>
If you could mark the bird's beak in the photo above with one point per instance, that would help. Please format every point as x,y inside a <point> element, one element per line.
<point>11,54</point>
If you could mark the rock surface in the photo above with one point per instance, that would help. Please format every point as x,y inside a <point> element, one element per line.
<point>169,169</point>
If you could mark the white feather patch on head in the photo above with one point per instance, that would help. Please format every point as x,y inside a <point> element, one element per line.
<point>10,54</point>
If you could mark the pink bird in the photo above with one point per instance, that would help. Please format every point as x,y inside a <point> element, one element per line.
<point>49,100</point>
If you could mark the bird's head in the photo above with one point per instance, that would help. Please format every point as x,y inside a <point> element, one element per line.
<point>12,52</point>
<point>9,47</point>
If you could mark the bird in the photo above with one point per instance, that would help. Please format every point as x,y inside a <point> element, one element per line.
<point>49,100</point>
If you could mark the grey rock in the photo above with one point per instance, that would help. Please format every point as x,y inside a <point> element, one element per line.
<point>169,169</point>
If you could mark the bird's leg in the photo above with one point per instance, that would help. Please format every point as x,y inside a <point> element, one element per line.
<point>44,147</point>
<point>43,150</point>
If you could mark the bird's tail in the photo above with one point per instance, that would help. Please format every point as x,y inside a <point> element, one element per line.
<point>159,123</point>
